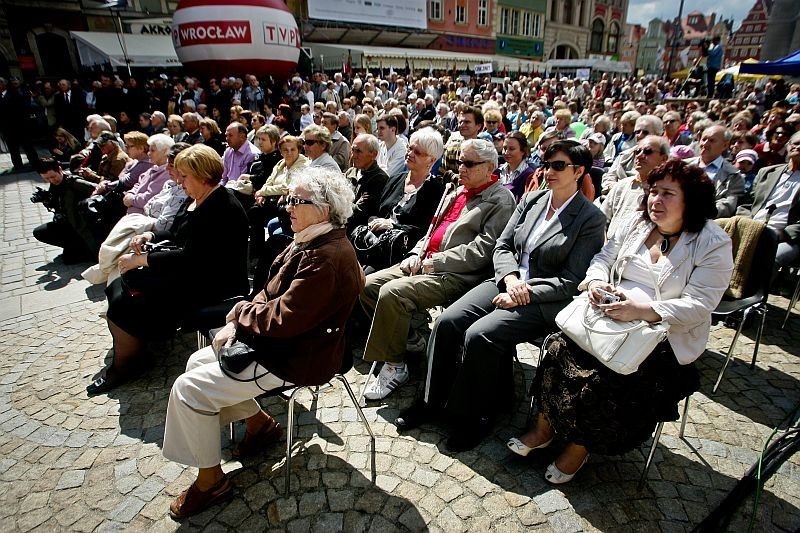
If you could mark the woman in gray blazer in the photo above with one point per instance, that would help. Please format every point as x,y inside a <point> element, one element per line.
<point>675,244</point>
<point>539,259</point>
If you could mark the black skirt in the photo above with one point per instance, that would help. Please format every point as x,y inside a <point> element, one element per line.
<point>609,413</point>
<point>149,314</point>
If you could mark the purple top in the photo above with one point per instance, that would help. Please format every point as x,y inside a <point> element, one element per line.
<point>236,162</point>
<point>131,173</point>
<point>150,184</point>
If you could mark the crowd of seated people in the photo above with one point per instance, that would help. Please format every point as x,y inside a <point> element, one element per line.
<point>499,202</point>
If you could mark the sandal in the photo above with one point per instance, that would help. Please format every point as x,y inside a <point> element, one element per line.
<point>557,477</point>
<point>193,500</point>
<point>253,444</point>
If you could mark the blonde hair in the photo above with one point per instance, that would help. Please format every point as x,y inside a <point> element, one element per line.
<point>136,138</point>
<point>365,122</point>
<point>202,162</point>
<point>211,124</point>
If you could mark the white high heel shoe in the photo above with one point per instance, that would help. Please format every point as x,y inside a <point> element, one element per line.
<point>519,447</point>
<point>557,477</point>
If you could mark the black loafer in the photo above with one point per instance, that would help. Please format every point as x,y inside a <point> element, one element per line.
<point>103,384</point>
<point>419,413</point>
<point>464,437</point>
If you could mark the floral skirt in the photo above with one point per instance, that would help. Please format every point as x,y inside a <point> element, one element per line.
<point>606,412</point>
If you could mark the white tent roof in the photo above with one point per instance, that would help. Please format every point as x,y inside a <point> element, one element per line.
<point>98,48</point>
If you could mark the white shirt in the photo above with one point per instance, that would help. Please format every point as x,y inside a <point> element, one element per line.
<point>781,197</point>
<point>539,228</point>
<point>712,168</point>
<point>393,160</point>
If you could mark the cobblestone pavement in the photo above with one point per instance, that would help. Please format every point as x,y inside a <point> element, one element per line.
<point>68,462</point>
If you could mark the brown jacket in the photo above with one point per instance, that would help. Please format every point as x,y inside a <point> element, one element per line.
<point>298,320</point>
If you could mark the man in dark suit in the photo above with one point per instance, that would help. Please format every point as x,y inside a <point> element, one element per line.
<point>15,108</point>
<point>368,178</point>
<point>777,203</point>
<point>70,107</point>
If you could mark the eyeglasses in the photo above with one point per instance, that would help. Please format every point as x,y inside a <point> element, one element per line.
<point>670,121</point>
<point>294,201</point>
<point>641,132</point>
<point>491,121</point>
<point>558,166</point>
<point>310,142</point>
<point>645,151</point>
<point>470,164</point>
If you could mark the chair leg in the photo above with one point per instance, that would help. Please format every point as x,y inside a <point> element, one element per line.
<point>366,380</point>
<point>363,419</point>
<point>683,418</point>
<point>763,312</point>
<point>656,438</point>
<point>730,350</point>
<point>795,295</point>
<point>290,440</point>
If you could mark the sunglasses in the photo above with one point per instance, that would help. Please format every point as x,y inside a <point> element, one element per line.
<point>470,164</point>
<point>310,142</point>
<point>641,132</point>
<point>294,201</point>
<point>645,151</point>
<point>558,166</point>
<point>491,122</point>
<point>670,121</point>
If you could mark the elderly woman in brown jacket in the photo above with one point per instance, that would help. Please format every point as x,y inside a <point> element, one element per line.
<point>295,326</point>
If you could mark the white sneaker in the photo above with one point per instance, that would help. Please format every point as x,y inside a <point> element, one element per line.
<point>389,378</point>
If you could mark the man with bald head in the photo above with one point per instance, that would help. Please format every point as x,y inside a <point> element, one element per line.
<point>728,181</point>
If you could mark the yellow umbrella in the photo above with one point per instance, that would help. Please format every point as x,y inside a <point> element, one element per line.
<point>742,77</point>
<point>680,74</point>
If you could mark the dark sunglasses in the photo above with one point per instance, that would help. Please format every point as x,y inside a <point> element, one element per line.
<point>296,200</point>
<point>670,121</point>
<point>558,166</point>
<point>645,151</point>
<point>310,142</point>
<point>641,132</point>
<point>470,164</point>
<point>491,122</point>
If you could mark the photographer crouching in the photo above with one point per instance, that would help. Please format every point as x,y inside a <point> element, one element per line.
<point>67,230</point>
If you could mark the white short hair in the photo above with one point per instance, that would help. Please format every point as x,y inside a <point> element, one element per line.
<point>328,190</point>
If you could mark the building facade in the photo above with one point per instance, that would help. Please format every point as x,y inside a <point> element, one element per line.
<point>650,55</point>
<point>566,34</point>
<point>520,28</point>
<point>607,27</point>
<point>630,44</point>
<point>783,30</point>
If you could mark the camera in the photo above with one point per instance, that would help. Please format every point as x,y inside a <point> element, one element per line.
<point>41,196</point>
<point>608,297</point>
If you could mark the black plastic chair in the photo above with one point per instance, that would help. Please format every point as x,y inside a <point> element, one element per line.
<point>207,318</point>
<point>754,299</point>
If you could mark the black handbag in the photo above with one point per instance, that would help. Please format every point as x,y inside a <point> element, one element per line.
<point>382,250</point>
<point>235,358</point>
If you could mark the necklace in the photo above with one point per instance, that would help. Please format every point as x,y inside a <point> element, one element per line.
<point>665,237</point>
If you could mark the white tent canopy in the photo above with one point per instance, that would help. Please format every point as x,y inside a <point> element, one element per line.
<point>99,48</point>
<point>600,65</point>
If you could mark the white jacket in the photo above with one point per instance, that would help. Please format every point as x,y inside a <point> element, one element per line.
<point>692,283</point>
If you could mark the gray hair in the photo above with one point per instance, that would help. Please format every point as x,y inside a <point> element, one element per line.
<point>660,141</point>
<point>442,105</point>
<point>431,141</point>
<point>630,116</point>
<point>603,119</point>
<point>160,115</point>
<point>102,124</point>
<point>373,144</point>
<point>320,132</point>
<point>651,123</point>
<point>327,190</point>
<point>161,142</point>
<point>188,117</point>
<point>485,150</point>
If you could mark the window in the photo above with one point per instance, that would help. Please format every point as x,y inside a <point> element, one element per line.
<point>567,19</point>
<point>435,9</point>
<point>613,39</point>
<point>525,30</point>
<point>514,28</point>
<point>483,12</point>
<point>151,6</point>
<point>505,20</point>
<point>596,40</point>
<point>554,10</point>
<point>746,40</point>
<point>754,52</point>
<point>461,11</point>
<point>537,25</point>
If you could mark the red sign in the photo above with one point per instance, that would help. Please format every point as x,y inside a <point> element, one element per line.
<point>221,32</point>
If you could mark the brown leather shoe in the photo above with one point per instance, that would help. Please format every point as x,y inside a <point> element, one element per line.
<point>193,500</point>
<point>254,444</point>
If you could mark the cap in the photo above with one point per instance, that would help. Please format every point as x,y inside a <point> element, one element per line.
<point>749,155</point>
<point>597,137</point>
<point>681,152</point>
<point>162,76</point>
<point>104,137</point>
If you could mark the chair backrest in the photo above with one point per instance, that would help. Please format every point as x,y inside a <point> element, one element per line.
<point>747,236</point>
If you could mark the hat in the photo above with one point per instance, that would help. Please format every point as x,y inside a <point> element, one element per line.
<point>749,155</point>
<point>597,137</point>
<point>104,137</point>
<point>162,76</point>
<point>681,152</point>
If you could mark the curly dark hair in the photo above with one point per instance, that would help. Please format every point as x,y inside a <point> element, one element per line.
<point>699,194</point>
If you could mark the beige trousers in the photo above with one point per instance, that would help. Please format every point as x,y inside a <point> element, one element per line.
<point>203,400</point>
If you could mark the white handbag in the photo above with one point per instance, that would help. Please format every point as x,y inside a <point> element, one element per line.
<point>620,346</point>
